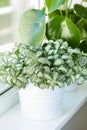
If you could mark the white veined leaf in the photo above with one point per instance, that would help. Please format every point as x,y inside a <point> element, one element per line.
<point>42,85</point>
<point>19,66</point>
<point>58,62</point>
<point>55,56</point>
<point>47,48</point>
<point>5,59</point>
<point>60,84</point>
<point>18,84</point>
<point>55,75</point>
<point>44,61</point>
<point>70,62</point>
<point>47,69</point>
<point>73,78</point>
<point>38,80</point>
<point>47,76</point>
<point>22,79</point>
<point>9,80</point>
<point>66,56</point>
<point>50,57</point>
<point>31,70</point>
<point>77,76</point>
<point>63,69</point>
<point>40,74</point>
<point>39,53</point>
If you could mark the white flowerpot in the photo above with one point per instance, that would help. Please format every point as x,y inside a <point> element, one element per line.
<point>41,104</point>
<point>71,87</point>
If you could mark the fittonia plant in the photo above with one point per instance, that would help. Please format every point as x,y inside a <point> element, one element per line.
<point>52,64</point>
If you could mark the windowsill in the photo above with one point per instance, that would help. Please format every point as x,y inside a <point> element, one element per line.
<point>6,10</point>
<point>6,47</point>
<point>73,101</point>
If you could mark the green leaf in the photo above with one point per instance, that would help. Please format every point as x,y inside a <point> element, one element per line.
<point>61,27</point>
<point>44,61</point>
<point>83,46</point>
<point>60,85</point>
<point>81,10</point>
<point>32,27</point>
<point>42,86</point>
<point>63,69</point>
<point>52,5</point>
<point>85,0</point>
<point>58,62</point>
<point>54,27</point>
<point>47,76</point>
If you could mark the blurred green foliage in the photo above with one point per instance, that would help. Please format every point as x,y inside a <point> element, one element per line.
<point>4,3</point>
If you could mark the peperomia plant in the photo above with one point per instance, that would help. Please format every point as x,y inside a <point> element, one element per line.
<point>58,20</point>
<point>52,64</point>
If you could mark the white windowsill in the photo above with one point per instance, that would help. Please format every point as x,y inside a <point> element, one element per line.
<point>73,101</point>
<point>6,10</point>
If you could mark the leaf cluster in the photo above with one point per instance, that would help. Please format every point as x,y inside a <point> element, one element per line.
<point>54,63</point>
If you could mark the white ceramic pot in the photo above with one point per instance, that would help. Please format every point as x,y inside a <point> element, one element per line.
<point>71,87</point>
<point>41,104</point>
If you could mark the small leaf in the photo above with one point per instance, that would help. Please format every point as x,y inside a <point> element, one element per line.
<point>73,78</point>
<point>44,61</point>
<point>55,76</point>
<point>30,70</point>
<point>47,48</point>
<point>63,69</point>
<point>47,69</point>
<point>42,86</point>
<point>47,76</point>
<point>58,62</point>
<point>60,85</point>
<point>38,80</point>
<point>40,74</point>
<point>5,60</point>
<point>70,62</point>
<point>9,80</point>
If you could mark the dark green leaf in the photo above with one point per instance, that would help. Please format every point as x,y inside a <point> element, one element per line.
<point>81,11</point>
<point>61,27</point>
<point>83,46</point>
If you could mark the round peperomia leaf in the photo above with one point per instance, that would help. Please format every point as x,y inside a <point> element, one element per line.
<point>52,5</point>
<point>81,11</point>
<point>63,27</point>
<point>32,27</point>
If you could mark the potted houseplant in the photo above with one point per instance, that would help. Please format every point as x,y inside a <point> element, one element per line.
<point>63,21</point>
<point>45,61</point>
<point>40,73</point>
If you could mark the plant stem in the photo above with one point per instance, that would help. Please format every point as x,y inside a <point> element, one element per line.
<point>79,21</point>
<point>66,4</point>
<point>61,12</point>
